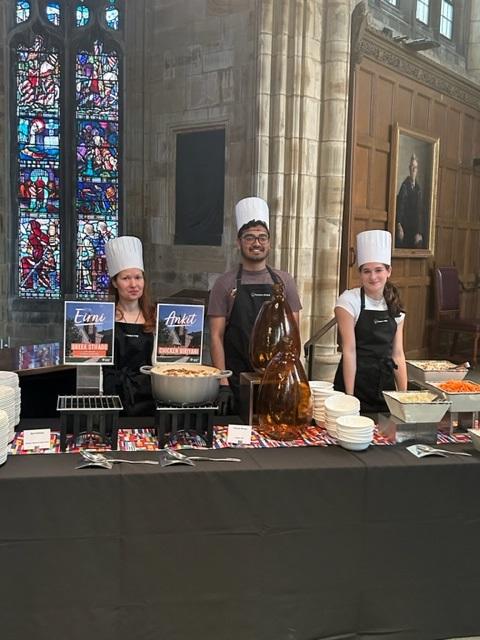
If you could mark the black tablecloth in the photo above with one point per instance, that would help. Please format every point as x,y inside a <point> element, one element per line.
<point>289,544</point>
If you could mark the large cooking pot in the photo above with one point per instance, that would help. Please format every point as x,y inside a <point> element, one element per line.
<point>184,382</point>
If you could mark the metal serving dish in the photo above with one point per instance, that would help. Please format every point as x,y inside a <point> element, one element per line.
<point>431,410</point>
<point>184,382</point>
<point>466,402</point>
<point>434,371</point>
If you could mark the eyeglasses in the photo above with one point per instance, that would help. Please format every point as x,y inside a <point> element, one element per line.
<point>249,238</point>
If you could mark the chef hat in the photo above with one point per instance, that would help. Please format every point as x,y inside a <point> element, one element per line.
<point>374,246</point>
<point>123,253</point>
<point>250,209</point>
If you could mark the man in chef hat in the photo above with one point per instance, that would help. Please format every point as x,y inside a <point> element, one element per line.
<point>370,320</point>
<point>238,295</point>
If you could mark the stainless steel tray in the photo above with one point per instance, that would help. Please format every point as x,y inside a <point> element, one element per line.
<point>461,402</point>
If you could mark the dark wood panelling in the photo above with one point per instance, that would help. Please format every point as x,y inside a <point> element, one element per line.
<point>417,100</point>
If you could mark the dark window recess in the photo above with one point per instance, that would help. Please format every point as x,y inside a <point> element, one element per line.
<point>200,187</point>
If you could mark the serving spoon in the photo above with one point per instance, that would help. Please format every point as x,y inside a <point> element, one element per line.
<point>100,458</point>
<point>180,456</point>
<point>425,448</point>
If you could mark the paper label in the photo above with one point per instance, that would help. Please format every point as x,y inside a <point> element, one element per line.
<point>36,439</point>
<point>239,434</point>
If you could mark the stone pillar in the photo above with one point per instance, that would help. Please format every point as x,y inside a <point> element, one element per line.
<point>473,42</point>
<point>302,94</point>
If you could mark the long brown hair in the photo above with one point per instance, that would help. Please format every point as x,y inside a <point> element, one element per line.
<point>145,303</point>
<point>393,300</point>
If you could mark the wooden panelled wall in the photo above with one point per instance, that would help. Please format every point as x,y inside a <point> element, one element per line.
<point>382,97</point>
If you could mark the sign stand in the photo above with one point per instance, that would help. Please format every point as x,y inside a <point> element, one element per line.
<point>89,380</point>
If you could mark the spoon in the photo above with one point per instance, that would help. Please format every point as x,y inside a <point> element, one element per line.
<point>181,456</point>
<point>100,458</point>
<point>425,448</point>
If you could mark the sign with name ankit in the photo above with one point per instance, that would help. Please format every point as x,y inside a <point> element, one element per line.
<point>88,332</point>
<point>179,332</point>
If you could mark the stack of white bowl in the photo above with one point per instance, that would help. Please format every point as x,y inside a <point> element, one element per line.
<point>7,404</point>
<point>10,379</point>
<point>339,405</point>
<point>355,432</point>
<point>320,391</point>
<point>3,436</point>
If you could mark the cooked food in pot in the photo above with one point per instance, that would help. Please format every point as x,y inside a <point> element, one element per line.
<point>201,372</point>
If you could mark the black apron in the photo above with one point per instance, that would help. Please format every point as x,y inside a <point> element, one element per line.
<point>374,334</point>
<point>133,348</point>
<point>249,299</point>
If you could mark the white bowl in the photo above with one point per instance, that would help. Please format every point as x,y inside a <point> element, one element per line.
<point>355,422</point>
<point>354,446</point>
<point>347,437</point>
<point>320,384</point>
<point>342,404</point>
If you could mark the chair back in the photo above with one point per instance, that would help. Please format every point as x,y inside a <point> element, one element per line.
<point>447,291</point>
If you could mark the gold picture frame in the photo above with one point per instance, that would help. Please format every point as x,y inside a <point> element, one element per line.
<point>413,192</point>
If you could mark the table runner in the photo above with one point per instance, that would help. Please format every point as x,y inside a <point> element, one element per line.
<point>146,440</point>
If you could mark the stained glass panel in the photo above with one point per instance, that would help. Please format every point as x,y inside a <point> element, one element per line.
<point>82,15</point>
<point>53,13</point>
<point>38,143</point>
<point>97,165</point>
<point>23,11</point>
<point>111,16</point>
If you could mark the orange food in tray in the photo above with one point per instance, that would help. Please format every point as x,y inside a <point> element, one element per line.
<point>459,386</point>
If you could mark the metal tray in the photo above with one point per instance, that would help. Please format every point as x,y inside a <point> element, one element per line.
<point>418,374</point>
<point>461,402</point>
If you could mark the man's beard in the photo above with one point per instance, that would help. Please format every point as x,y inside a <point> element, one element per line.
<point>259,257</point>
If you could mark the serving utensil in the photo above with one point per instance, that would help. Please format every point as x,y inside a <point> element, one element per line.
<point>100,458</point>
<point>182,456</point>
<point>425,448</point>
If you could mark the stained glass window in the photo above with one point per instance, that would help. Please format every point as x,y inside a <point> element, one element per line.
<point>82,15</point>
<point>58,226</point>
<point>38,143</point>
<point>23,11</point>
<point>97,164</point>
<point>53,13</point>
<point>111,15</point>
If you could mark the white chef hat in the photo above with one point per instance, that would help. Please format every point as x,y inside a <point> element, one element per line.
<point>374,246</point>
<point>250,209</point>
<point>125,252</point>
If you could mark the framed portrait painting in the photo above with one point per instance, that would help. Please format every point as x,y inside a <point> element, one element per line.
<point>413,192</point>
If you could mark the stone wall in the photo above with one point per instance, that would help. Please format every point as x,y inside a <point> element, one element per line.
<point>199,72</point>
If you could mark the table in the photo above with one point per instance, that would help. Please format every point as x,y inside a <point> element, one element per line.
<point>289,544</point>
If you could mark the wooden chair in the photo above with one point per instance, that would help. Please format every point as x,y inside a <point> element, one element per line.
<point>447,312</point>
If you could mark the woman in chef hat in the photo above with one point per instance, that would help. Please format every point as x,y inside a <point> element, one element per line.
<point>370,320</point>
<point>134,327</point>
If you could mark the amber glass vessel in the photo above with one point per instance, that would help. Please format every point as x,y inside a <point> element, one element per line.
<point>284,403</point>
<point>274,321</point>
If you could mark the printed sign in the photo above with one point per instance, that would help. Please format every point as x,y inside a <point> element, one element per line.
<point>179,333</point>
<point>88,332</point>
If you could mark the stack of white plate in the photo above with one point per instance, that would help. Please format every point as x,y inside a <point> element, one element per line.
<point>7,404</point>
<point>320,391</point>
<point>3,436</point>
<point>354,432</point>
<point>10,379</point>
<point>339,405</point>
